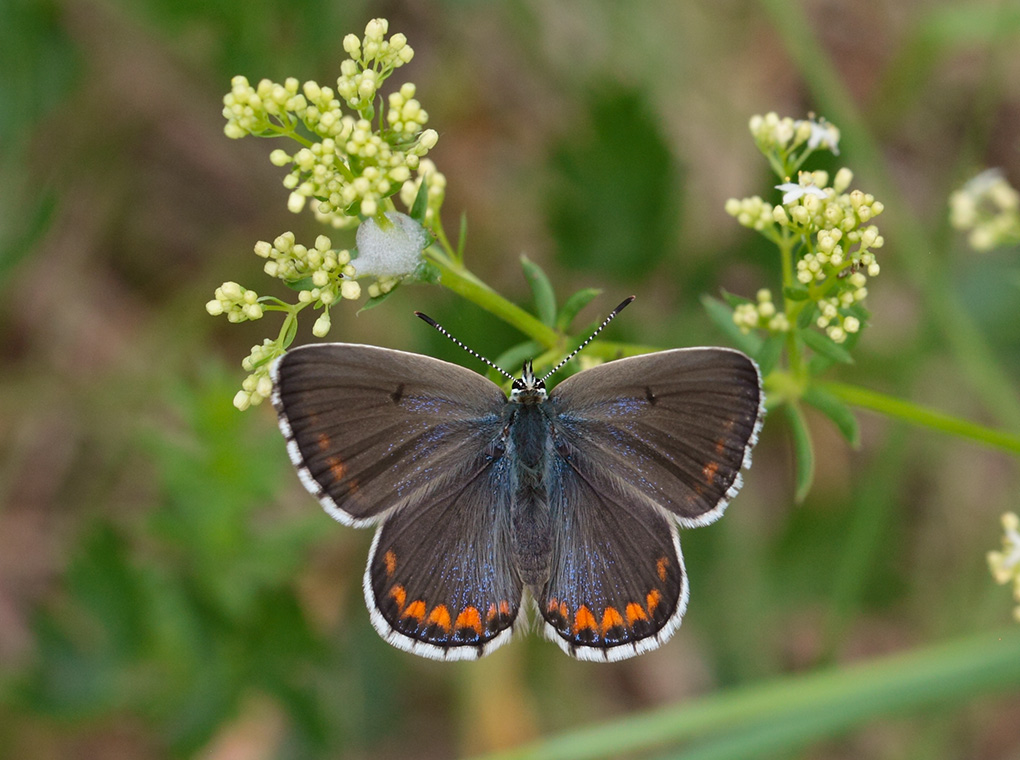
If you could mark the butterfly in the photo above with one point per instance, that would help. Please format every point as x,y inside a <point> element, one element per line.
<point>487,506</point>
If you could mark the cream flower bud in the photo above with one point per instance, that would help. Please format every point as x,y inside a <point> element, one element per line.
<point>350,290</point>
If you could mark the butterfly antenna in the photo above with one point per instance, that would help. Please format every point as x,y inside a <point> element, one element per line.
<point>590,338</point>
<point>431,321</point>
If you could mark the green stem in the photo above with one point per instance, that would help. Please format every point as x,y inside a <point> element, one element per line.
<point>465,284</point>
<point>791,712</point>
<point>919,415</point>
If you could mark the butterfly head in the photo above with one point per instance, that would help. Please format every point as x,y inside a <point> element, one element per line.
<point>528,389</point>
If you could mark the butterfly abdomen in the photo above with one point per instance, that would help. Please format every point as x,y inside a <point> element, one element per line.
<point>529,513</point>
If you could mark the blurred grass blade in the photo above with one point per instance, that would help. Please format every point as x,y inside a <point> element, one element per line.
<point>542,289</point>
<point>837,411</point>
<point>804,464</point>
<point>790,713</point>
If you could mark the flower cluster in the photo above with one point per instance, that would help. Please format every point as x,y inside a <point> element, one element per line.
<point>787,142</point>
<point>351,166</point>
<point>353,157</point>
<point>329,272</point>
<point>827,230</point>
<point>762,314</point>
<point>987,207</point>
<point>1005,565</point>
<point>239,304</point>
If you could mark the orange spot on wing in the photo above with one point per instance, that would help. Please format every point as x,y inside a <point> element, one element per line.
<point>611,619</point>
<point>564,610</point>
<point>660,567</point>
<point>709,471</point>
<point>416,610</point>
<point>336,468</point>
<point>653,599</point>
<point>440,616</point>
<point>398,595</point>
<point>469,617</point>
<point>584,619</point>
<point>390,560</point>
<point>720,446</point>
<point>323,442</point>
<point>494,610</point>
<point>635,612</point>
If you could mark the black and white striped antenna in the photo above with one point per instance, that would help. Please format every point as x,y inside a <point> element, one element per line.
<point>590,338</point>
<point>443,330</point>
<point>500,370</point>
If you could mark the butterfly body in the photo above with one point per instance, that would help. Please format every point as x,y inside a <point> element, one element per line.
<point>483,503</point>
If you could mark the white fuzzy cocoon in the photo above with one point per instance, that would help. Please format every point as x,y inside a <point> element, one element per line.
<point>389,253</point>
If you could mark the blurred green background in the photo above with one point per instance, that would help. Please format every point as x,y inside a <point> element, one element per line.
<point>167,587</point>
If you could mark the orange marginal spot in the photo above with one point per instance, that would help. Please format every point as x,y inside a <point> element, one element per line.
<point>564,610</point>
<point>584,619</point>
<point>635,612</point>
<point>336,468</point>
<point>611,619</point>
<point>554,605</point>
<point>653,599</point>
<point>709,471</point>
<point>660,567</point>
<point>720,446</point>
<point>502,609</point>
<point>469,617</point>
<point>398,595</point>
<point>324,443</point>
<point>416,610</point>
<point>390,560</point>
<point>440,616</point>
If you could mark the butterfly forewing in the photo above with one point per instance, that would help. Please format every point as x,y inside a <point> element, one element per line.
<point>370,429</point>
<point>676,426</point>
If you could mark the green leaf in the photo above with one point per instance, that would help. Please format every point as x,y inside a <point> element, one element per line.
<point>806,318</point>
<point>722,316</point>
<point>770,352</point>
<point>291,333</point>
<point>573,306</point>
<point>733,299</point>
<point>804,464</point>
<point>304,283</point>
<point>371,303</point>
<point>795,293</point>
<point>421,203</point>
<point>837,411</point>
<point>542,289</point>
<point>462,236</point>
<point>427,273</point>
<point>820,344</point>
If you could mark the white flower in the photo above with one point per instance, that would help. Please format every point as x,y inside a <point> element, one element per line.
<point>793,191</point>
<point>824,135</point>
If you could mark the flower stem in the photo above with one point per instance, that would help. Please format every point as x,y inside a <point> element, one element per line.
<point>919,415</point>
<point>462,282</point>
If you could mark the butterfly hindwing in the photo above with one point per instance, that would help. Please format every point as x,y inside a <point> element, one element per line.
<point>370,429</point>
<point>439,581</point>
<point>618,585</point>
